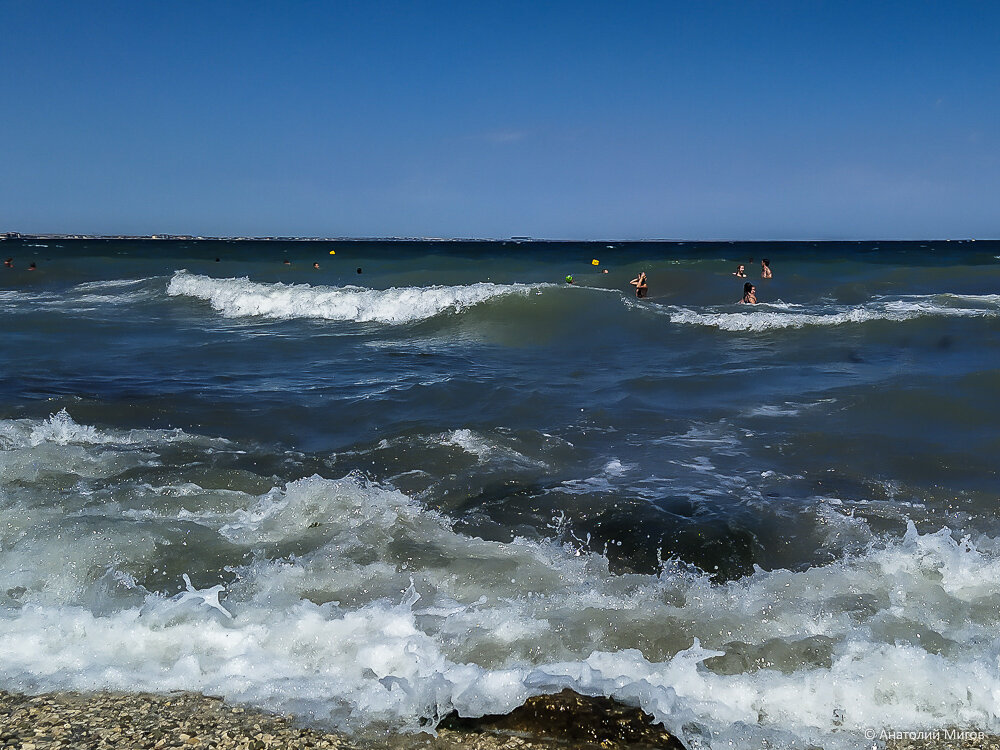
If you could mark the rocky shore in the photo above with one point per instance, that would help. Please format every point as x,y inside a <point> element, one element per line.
<point>190,720</point>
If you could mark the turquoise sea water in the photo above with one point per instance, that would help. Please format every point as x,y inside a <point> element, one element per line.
<point>453,480</point>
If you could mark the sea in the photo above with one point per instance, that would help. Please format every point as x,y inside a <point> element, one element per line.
<point>428,477</point>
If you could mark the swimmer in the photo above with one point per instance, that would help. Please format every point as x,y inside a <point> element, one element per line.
<point>32,266</point>
<point>765,268</point>
<point>359,270</point>
<point>9,262</point>
<point>315,265</point>
<point>639,282</point>
<point>605,270</point>
<point>740,271</point>
<point>569,279</point>
<point>749,294</point>
<point>287,262</point>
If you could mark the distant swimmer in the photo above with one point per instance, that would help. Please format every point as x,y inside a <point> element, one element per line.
<point>315,265</point>
<point>569,279</point>
<point>32,266</point>
<point>749,294</point>
<point>740,271</point>
<point>641,287</point>
<point>359,270</point>
<point>287,262</point>
<point>9,262</point>
<point>765,268</point>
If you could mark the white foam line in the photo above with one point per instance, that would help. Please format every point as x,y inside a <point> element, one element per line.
<point>241,297</point>
<point>899,309</point>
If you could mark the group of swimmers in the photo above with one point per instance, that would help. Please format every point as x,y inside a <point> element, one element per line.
<point>9,263</point>
<point>288,263</point>
<point>749,290</point>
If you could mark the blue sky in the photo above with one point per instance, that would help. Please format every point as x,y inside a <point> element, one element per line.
<point>729,120</point>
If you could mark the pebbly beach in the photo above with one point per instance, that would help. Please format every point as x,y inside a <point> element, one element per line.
<point>148,721</point>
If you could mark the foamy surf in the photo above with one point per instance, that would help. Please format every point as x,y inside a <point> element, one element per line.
<point>765,317</point>
<point>82,298</point>
<point>385,615</point>
<point>236,298</point>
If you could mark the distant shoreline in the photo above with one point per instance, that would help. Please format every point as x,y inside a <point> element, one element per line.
<point>5,236</point>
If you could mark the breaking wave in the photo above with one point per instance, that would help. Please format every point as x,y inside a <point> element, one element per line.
<point>237,298</point>
<point>766,317</point>
<point>353,605</point>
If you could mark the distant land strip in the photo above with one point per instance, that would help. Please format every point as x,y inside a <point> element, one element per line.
<point>607,242</point>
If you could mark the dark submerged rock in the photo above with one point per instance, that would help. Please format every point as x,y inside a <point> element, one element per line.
<point>574,719</point>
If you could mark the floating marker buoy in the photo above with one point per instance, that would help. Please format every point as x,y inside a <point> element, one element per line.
<point>595,262</point>
<point>333,252</point>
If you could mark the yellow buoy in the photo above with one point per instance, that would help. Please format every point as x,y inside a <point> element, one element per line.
<point>333,252</point>
<point>595,262</point>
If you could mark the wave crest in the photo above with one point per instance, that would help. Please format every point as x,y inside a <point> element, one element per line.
<point>237,298</point>
<point>781,315</point>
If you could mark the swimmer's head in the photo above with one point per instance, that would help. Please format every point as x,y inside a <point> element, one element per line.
<point>569,279</point>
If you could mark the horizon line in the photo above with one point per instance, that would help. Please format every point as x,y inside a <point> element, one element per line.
<point>12,235</point>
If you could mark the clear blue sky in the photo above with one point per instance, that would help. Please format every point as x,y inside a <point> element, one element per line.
<point>695,119</point>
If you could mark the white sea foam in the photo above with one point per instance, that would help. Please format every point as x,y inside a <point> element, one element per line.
<point>82,298</point>
<point>764,317</point>
<point>90,286</point>
<point>12,301</point>
<point>241,297</point>
<point>61,429</point>
<point>387,615</point>
<point>470,442</point>
<point>32,450</point>
<point>484,448</point>
<point>786,409</point>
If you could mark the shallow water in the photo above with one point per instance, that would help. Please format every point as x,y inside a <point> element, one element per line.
<point>453,480</point>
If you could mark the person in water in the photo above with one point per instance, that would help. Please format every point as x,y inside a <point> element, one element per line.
<point>639,282</point>
<point>740,271</point>
<point>749,294</point>
<point>765,268</point>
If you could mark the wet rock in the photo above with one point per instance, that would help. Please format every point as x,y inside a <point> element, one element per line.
<point>573,718</point>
